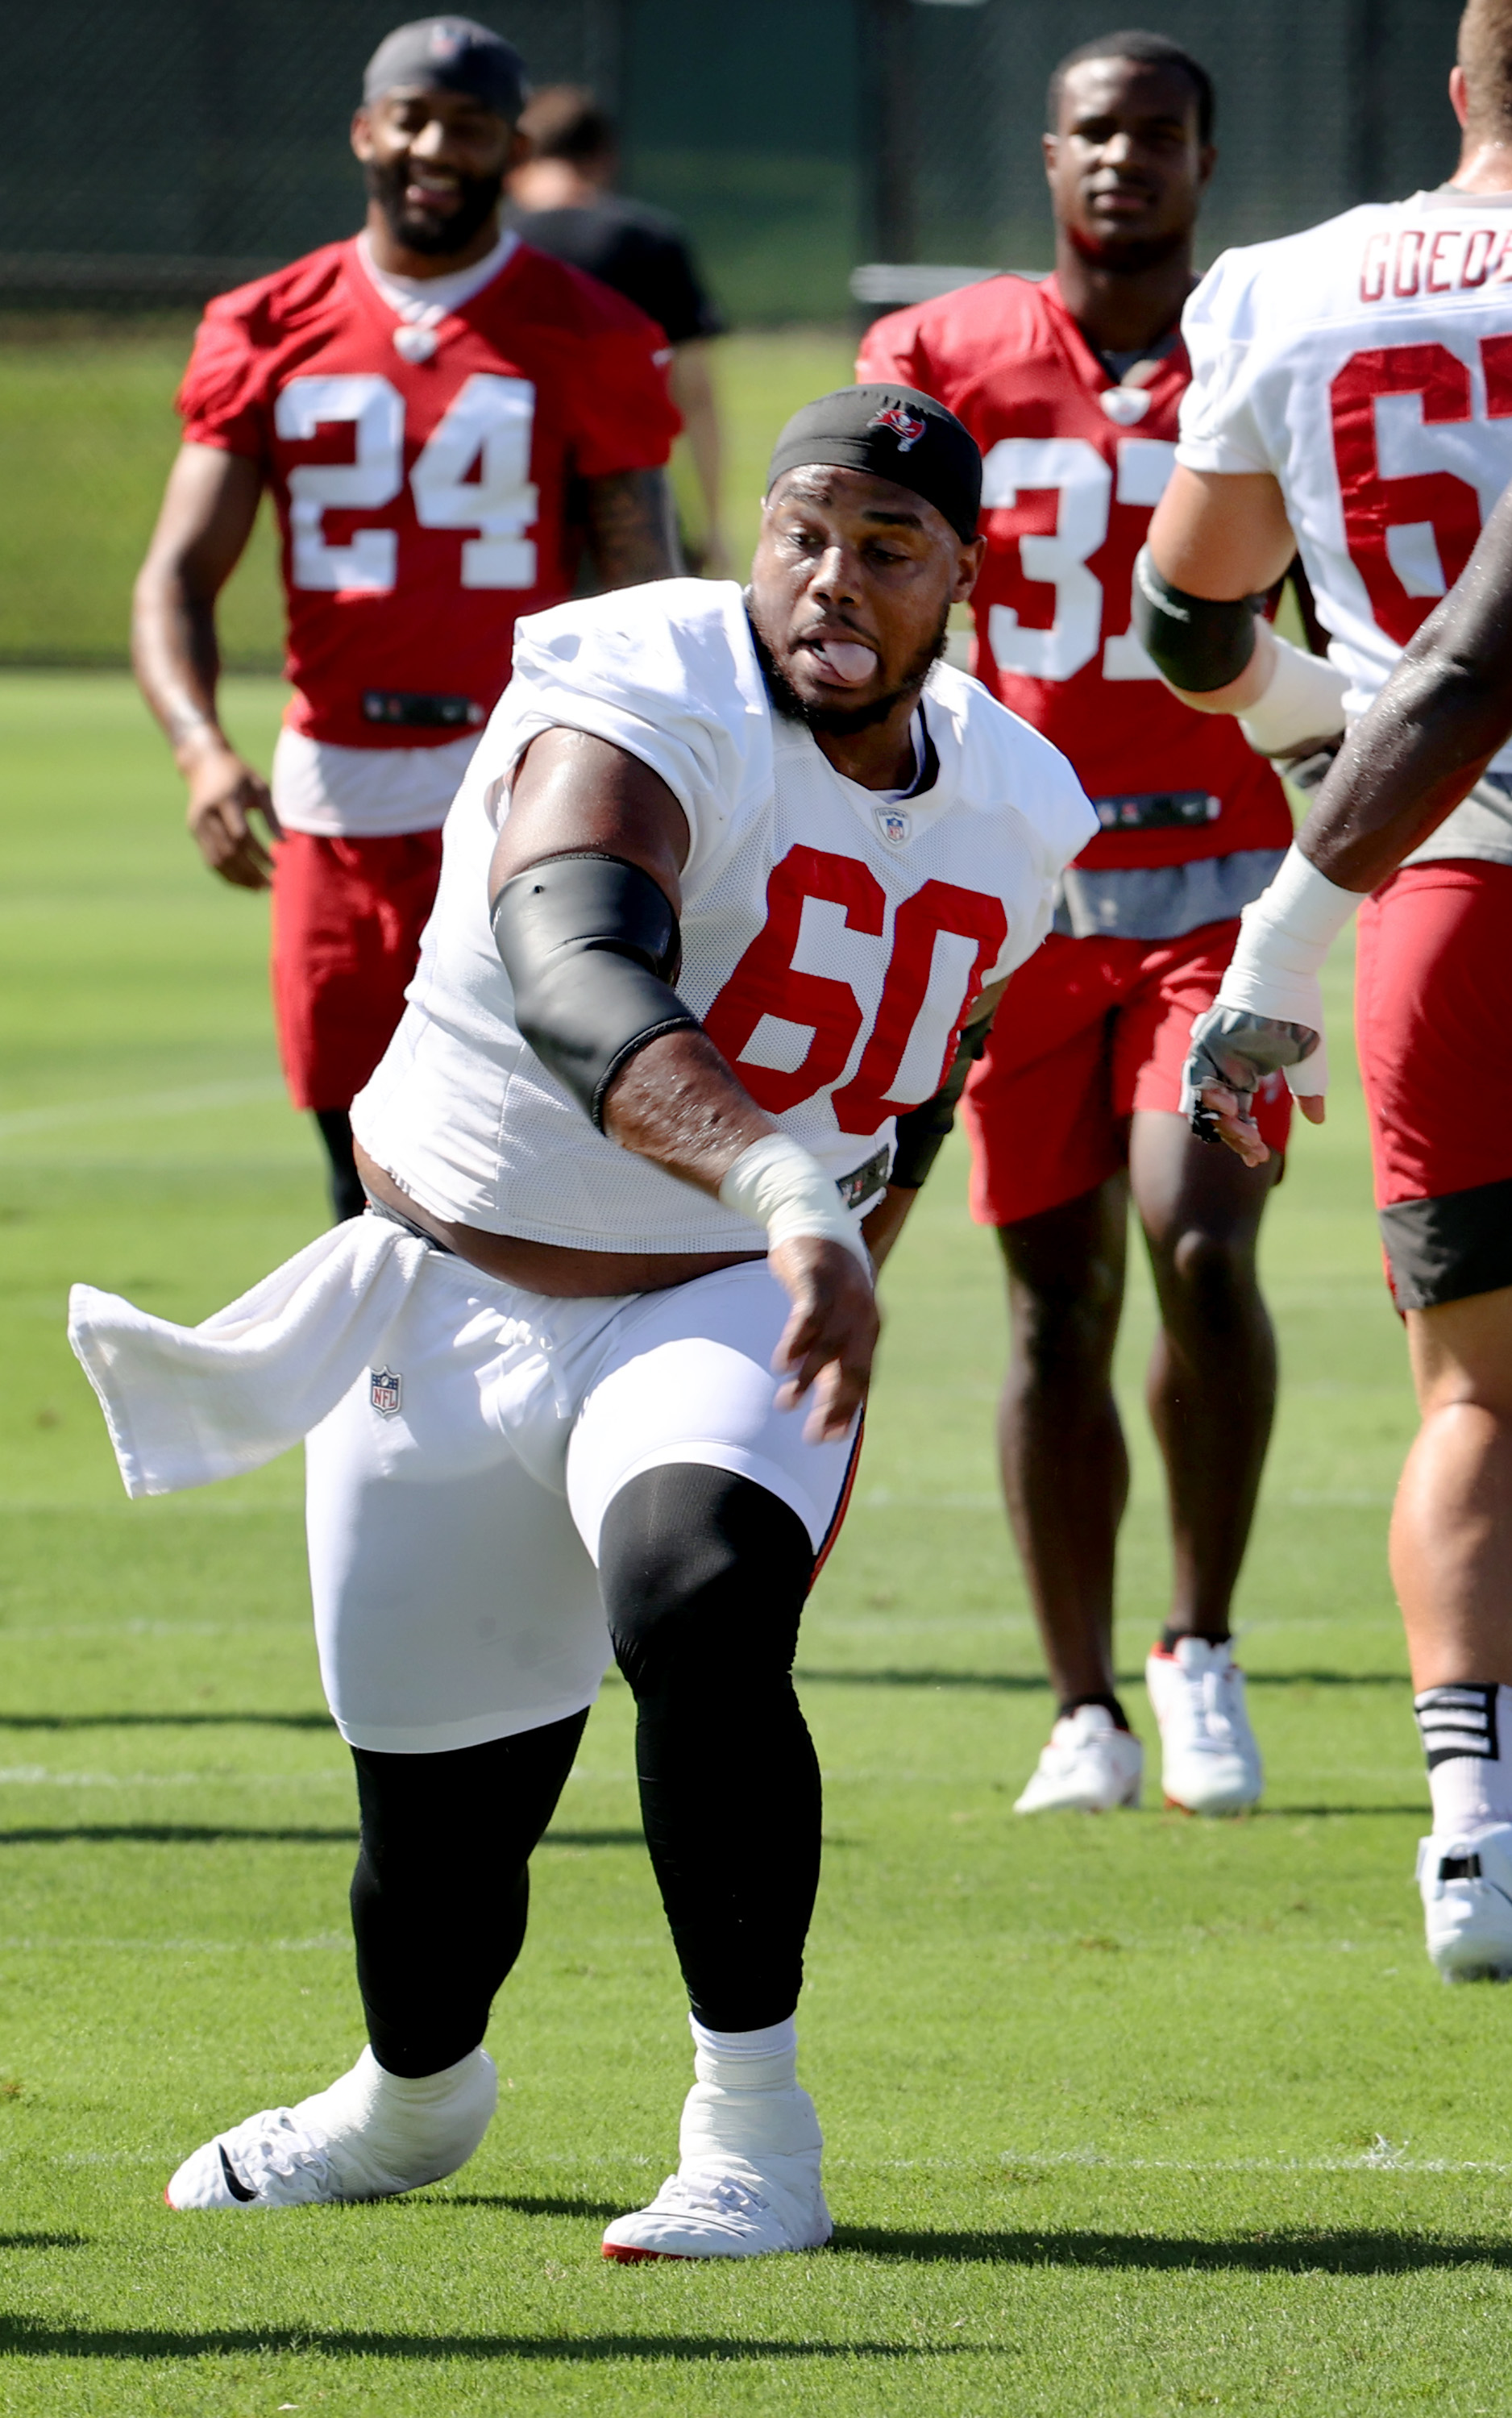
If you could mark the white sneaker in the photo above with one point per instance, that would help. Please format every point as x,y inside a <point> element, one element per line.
<point>1210,1759</point>
<point>1088,1767</point>
<point>1466,1881</point>
<point>726,2202</point>
<point>368,2137</point>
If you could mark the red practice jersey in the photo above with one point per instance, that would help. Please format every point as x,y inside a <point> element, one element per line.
<point>1073,467</point>
<point>421,502</point>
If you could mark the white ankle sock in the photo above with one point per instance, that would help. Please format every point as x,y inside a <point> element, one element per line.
<point>1466,1737</point>
<point>396,2127</point>
<point>759,2060</point>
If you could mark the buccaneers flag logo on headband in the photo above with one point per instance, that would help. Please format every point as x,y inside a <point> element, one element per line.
<point>907,426</point>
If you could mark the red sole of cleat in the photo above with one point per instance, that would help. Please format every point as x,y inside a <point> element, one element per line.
<point>624,2256</point>
<point>1174,1805</point>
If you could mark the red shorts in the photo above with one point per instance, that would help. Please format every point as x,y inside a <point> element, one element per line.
<point>1088,1032</point>
<point>347,919</point>
<point>1434,1012</point>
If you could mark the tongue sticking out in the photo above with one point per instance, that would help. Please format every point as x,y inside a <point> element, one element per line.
<point>845,661</point>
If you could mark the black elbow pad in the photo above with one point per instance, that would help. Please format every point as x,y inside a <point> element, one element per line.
<point>592,949</point>
<point>1193,642</point>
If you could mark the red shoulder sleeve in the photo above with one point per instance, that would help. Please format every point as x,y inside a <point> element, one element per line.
<point>892,353</point>
<point>623,417</point>
<point>223,400</point>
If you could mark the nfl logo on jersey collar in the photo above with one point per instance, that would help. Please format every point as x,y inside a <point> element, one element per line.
<point>895,825</point>
<point>386,1392</point>
<point>415,343</point>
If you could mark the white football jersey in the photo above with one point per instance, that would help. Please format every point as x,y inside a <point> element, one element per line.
<point>1366,363</point>
<point>833,939</point>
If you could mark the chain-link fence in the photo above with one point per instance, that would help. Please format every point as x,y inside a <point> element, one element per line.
<point>168,148</point>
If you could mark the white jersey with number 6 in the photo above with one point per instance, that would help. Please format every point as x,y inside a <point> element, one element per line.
<point>1366,363</point>
<point>833,939</point>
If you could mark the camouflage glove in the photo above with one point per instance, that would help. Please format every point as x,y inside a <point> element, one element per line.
<point>1238,1048</point>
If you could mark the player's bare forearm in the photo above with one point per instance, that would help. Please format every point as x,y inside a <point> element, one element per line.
<point>206,518</point>
<point>631,535</point>
<point>882,1225</point>
<point>1441,716</point>
<point>208,509</point>
<point>692,392</point>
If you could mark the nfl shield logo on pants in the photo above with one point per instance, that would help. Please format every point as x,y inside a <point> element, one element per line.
<point>386,1392</point>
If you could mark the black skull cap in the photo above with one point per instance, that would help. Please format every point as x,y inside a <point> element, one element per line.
<point>895,432</point>
<point>452,55</point>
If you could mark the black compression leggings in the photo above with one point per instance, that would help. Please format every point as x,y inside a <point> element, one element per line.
<point>704,1578</point>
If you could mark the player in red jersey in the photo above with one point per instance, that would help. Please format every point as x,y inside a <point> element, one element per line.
<point>418,400</point>
<point>1071,388</point>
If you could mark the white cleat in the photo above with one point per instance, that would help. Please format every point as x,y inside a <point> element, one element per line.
<point>1209,1758</point>
<point>1466,1881</point>
<point>1090,1765</point>
<point>725,2203</point>
<point>348,2143</point>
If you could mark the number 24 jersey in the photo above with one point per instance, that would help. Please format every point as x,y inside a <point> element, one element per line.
<point>833,940</point>
<point>1366,364</point>
<point>422,500</point>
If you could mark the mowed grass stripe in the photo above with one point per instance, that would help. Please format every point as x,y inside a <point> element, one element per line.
<point>1106,2101</point>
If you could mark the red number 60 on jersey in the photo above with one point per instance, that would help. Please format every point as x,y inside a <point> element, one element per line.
<point>767,983</point>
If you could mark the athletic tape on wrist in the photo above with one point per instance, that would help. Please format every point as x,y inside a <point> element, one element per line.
<point>778,1185</point>
<point>1286,934</point>
<point>1302,701</point>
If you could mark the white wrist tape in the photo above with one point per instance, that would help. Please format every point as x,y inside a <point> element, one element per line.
<point>1286,934</point>
<point>778,1185</point>
<point>1303,698</point>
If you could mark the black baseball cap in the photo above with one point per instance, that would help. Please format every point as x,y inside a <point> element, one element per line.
<point>453,55</point>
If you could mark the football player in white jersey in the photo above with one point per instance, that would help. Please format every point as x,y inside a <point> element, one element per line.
<point>729,890</point>
<point>1352,395</point>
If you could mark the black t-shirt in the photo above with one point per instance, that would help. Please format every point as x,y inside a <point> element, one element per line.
<point>642,253</point>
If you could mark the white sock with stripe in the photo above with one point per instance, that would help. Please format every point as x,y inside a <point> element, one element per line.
<point>1467,1735</point>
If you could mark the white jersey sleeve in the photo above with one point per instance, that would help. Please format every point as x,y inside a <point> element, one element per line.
<point>1219,430</point>
<point>666,671</point>
<point>1365,364</point>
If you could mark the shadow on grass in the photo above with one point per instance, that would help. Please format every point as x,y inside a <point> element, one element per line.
<point>44,2240</point>
<point>1276,2251</point>
<point>34,2338</point>
<point>167,1722</point>
<point>1023,1683</point>
<point>178,1834</point>
<point>174,1834</point>
<point>523,2204</point>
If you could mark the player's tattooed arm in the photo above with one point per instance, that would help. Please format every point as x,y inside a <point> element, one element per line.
<point>632,531</point>
<point>206,518</point>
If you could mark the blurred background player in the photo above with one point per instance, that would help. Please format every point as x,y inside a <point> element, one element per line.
<point>1352,394</point>
<point>418,399</point>
<point>1071,388</point>
<point>564,203</point>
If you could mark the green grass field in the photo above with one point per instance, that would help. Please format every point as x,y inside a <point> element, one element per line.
<point>1134,2114</point>
<point>90,432</point>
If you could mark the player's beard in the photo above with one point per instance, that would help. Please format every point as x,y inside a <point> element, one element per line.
<point>478,199</point>
<point>840,721</point>
<point>1129,257</point>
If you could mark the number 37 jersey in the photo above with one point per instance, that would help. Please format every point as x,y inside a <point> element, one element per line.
<point>834,940</point>
<point>420,476</point>
<point>1366,364</point>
